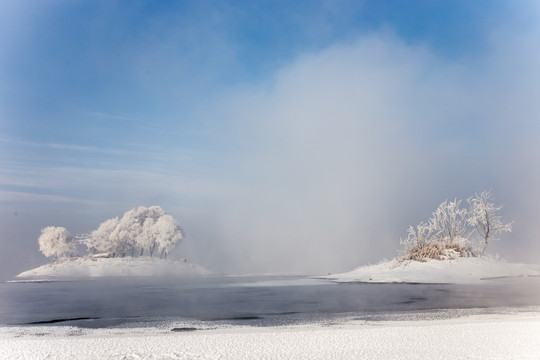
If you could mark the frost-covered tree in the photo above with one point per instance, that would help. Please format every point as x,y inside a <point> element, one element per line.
<point>132,234</point>
<point>484,217</point>
<point>449,222</point>
<point>169,234</point>
<point>56,241</point>
<point>148,237</point>
<point>101,239</point>
<point>448,232</point>
<point>123,238</point>
<point>139,229</point>
<point>444,236</point>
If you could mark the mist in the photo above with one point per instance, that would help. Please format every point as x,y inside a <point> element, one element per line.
<point>319,166</point>
<point>345,148</point>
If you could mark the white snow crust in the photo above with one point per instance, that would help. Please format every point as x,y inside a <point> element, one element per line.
<point>502,336</point>
<point>103,267</point>
<point>458,271</point>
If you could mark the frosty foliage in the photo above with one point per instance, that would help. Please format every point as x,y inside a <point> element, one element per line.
<point>140,230</point>
<point>449,221</point>
<point>168,234</point>
<point>56,241</point>
<point>450,232</point>
<point>101,239</point>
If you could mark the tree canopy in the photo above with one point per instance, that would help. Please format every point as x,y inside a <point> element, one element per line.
<point>56,241</point>
<point>140,230</point>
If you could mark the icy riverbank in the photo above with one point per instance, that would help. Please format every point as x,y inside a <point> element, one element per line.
<point>458,271</point>
<point>105,267</point>
<point>488,336</point>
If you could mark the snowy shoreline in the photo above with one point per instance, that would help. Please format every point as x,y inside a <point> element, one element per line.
<point>502,335</point>
<point>471,270</point>
<point>494,333</point>
<point>110,267</point>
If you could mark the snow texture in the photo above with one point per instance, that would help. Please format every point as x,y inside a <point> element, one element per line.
<point>101,267</point>
<point>458,271</point>
<point>502,336</point>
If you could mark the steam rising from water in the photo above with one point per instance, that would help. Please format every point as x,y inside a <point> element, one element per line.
<point>319,169</point>
<point>349,146</point>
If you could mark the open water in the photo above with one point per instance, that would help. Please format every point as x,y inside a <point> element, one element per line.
<point>259,301</point>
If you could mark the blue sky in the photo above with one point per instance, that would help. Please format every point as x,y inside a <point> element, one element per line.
<point>313,130</point>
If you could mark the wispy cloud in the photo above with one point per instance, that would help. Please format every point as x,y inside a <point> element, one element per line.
<point>60,146</point>
<point>29,197</point>
<point>127,120</point>
<point>113,116</point>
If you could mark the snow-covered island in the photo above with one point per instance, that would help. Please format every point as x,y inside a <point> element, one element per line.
<point>137,244</point>
<point>449,248</point>
<point>471,270</point>
<point>110,267</point>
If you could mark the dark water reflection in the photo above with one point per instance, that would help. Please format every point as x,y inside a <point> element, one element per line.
<point>264,300</point>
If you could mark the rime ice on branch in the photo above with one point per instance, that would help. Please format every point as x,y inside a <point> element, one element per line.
<point>484,217</point>
<point>451,231</point>
<point>140,230</point>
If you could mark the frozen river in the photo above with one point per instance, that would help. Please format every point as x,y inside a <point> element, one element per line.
<point>261,301</point>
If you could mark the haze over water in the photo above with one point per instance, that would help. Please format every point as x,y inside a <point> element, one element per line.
<point>261,301</point>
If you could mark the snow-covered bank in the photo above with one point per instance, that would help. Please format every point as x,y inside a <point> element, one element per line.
<point>503,336</point>
<point>102,267</point>
<point>457,271</point>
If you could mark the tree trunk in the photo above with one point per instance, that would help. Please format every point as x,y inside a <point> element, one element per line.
<point>485,246</point>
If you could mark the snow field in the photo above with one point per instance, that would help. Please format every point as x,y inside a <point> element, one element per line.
<point>515,336</point>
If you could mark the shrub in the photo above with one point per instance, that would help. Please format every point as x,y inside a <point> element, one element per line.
<point>451,231</point>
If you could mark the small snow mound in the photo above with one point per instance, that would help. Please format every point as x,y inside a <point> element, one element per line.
<point>109,267</point>
<point>460,270</point>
